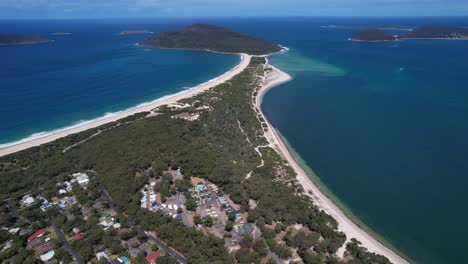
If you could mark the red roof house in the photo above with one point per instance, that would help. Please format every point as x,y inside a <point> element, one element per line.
<point>79,235</point>
<point>152,257</point>
<point>38,233</point>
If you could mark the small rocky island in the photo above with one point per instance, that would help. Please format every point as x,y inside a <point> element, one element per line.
<point>209,37</point>
<point>135,32</point>
<point>433,32</point>
<point>372,34</point>
<point>6,39</point>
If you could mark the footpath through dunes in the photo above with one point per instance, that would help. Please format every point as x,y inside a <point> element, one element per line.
<point>146,107</point>
<point>274,78</point>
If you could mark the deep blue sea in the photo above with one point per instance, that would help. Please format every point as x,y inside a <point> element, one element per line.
<point>89,73</point>
<point>383,125</point>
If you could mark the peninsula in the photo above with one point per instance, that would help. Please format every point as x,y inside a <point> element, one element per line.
<point>436,32</point>
<point>372,34</point>
<point>212,38</point>
<point>135,32</point>
<point>6,39</point>
<point>202,173</point>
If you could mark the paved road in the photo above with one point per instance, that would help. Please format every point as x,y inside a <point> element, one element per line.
<point>158,242</point>
<point>61,237</point>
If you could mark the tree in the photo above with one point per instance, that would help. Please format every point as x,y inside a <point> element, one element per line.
<point>229,226</point>
<point>207,221</point>
<point>260,247</point>
<point>167,260</point>
<point>197,220</point>
<point>190,204</point>
<point>232,216</point>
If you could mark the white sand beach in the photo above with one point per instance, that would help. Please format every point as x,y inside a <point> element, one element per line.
<point>273,79</point>
<point>346,225</point>
<point>146,107</point>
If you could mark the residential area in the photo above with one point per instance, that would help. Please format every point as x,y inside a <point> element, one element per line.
<point>85,228</point>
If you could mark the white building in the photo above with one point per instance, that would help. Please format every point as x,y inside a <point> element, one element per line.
<point>81,178</point>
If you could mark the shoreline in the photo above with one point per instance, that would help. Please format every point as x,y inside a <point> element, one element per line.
<point>9,148</point>
<point>321,199</point>
<point>345,223</point>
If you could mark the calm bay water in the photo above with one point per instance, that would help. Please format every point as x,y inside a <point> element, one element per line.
<point>383,125</point>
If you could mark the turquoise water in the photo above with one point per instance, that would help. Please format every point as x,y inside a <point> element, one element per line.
<point>90,73</point>
<point>382,124</point>
<point>384,127</point>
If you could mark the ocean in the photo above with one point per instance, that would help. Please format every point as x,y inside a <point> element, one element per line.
<point>90,73</point>
<point>382,125</point>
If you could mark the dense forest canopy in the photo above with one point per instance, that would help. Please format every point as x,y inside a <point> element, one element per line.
<point>208,37</point>
<point>372,34</point>
<point>219,146</point>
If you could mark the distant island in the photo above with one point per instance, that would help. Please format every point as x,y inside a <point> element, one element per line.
<point>135,32</point>
<point>213,38</point>
<point>6,39</point>
<point>61,33</point>
<point>433,32</point>
<point>372,34</point>
<point>387,27</point>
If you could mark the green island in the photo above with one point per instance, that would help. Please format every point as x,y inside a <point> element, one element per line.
<point>212,38</point>
<point>436,32</point>
<point>372,34</point>
<point>6,39</point>
<point>190,182</point>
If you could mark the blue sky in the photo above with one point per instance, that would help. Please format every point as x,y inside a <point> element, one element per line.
<point>152,8</point>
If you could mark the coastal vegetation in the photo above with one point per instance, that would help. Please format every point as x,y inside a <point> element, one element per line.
<point>436,32</point>
<point>372,34</point>
<point>209,37</point>
<point>7,39</point>
<point>219,146</point>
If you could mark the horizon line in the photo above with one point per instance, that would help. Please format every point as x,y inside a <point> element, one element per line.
<point>239,16</point>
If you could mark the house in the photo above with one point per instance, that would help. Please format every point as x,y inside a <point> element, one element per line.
<point>47,256</point>
<point>62,192</point>
<point>145,248</point>
<point>247,228</point>
<point>133,243</point>
<point>62,203</point>
<point>69,187</point>
<point>27,200</point>
<point>101,255</point>
<point>79,236</point>
<point>81,178</point>
<point>76,230</point>
<point>43,249</point>
<point>36,242</point>
<point>116,226</point>
<point>7,245</point>
<point>134,252</point>
<point>152,257</point>
<point>213,187</point>
<point>107,222</point>
<point>38,233</point>
<point>14,231</point>
<point>72,200</point>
